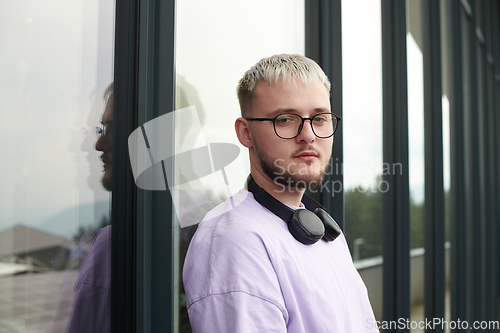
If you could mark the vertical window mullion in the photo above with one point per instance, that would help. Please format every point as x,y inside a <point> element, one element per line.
<point>472,161</point>
<point>458,232</point>
<point>323,44</point>
<point>123,277</point>
<point>155,221</point>
<point>396,203</point>
<point>434,190</point>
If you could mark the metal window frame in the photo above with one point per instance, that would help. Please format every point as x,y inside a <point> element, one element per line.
<point>458,232</point>
<point>396,202</point>
<point>142,233</point>
<point>474,269</point>
<point>488,176</point>
<point>472,181</point>
<point>123,242</point>
<point>323,39</point>
<point>434,228</point>
<point>495,232</point>
<point>156,278</point>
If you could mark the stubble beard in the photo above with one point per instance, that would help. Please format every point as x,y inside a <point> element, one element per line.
<point>106,180</point>
<point>294,180</point>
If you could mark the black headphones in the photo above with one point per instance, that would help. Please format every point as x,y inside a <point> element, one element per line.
<point>306,226</point>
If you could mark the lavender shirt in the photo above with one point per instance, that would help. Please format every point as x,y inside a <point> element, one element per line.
<point>91,310</point>
<point>244,272</point>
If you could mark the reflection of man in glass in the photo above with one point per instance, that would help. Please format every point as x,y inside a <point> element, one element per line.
<point>104,143</point>
<point>91,302</point>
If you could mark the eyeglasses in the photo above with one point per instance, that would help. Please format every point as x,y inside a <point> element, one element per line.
<point>103,130</point>
<point>289,125</point>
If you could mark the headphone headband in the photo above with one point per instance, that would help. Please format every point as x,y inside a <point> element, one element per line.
<point>307,227</point>
<point>265,199</point>
<point>268,199</point>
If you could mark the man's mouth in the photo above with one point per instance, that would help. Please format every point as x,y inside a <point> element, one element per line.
<point>306,155</point>
<point>106,162</point>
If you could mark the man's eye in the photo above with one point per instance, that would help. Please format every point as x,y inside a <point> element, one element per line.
<point>285,120</point>
<point>322,119</point>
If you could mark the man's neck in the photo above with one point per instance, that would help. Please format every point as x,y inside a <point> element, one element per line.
<point>285,194</point>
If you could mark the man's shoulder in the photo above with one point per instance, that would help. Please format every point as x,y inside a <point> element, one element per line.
<point>95,270</point>
<point>238,219</point>
<point>232,207</point>
<point>240,229</point>
<point>239,214</point>
<point>229,252</point>
<point>103,234</point>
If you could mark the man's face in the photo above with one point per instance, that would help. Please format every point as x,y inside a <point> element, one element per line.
<point>104,144</point>
<point>297,162</point>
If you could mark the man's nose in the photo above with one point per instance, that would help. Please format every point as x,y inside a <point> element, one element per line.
<point>306,134</point>
<point>101,143</point>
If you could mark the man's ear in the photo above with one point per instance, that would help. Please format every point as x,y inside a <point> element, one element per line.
<point>243,132</point>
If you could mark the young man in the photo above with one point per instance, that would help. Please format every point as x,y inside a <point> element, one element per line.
<point>245,271</point>
<point>91,311</point>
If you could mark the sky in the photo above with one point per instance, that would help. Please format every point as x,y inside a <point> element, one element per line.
<point>362,101</point>
<point>362,92</point>
<point>56,61</point>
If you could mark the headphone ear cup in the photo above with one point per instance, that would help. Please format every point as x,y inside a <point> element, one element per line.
<point>306,227</point>
<point>332,229</point>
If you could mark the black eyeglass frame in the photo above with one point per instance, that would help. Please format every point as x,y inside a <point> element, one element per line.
<point>301,124</point>
<point>103,130</point>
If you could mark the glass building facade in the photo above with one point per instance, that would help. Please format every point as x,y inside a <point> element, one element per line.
<point>107,108</point>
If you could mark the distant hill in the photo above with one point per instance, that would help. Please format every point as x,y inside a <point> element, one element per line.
<point>69,220</point>
<point>23,239</point>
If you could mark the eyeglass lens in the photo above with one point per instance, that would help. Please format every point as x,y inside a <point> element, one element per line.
<point>288,125</point>
<point>103,130</point>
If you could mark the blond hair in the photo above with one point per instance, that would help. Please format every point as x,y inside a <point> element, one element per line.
<point>271,69</point>
<point>108,92</point>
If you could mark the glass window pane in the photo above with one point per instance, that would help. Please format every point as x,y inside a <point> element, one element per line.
<point>209,64</point>
<point>56,62</point>
<point>446,71</point>
<point>416,157</point>
<point>362,125</point>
